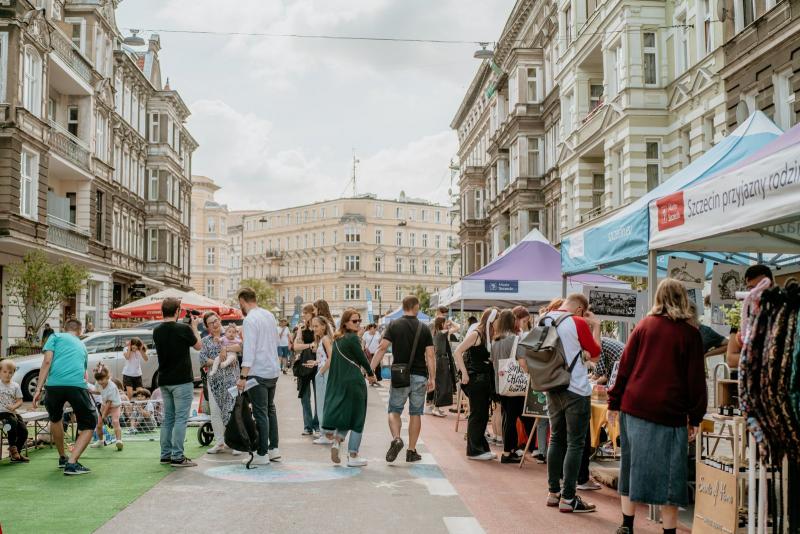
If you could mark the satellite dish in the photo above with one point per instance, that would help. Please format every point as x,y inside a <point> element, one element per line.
<point>742,112</point>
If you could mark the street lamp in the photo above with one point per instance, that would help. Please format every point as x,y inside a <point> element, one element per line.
<point>134,39</point>
<point>483,53</point>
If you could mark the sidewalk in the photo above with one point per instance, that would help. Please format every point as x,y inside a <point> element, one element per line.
<point>506,499</point>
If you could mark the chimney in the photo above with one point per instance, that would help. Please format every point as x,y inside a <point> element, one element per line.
<point>155,43</point>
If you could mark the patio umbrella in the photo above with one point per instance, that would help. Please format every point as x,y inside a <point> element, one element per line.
<point>150,307</point>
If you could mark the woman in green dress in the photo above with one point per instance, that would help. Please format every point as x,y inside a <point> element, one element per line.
<point>346,393</point>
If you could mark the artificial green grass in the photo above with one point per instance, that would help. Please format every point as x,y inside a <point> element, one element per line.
<point>36,498</point>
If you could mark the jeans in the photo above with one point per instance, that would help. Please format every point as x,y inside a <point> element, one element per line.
<point>586,456</point>
<point>512,410</point>
<point>18,433</point>
<point>310,417</point>
<point>177,403</point>
<point>479,391</point>
<point>262,398</point>
<point>321,381</point>
<point>541,436</point>
<point>414,394</point>
<point>354,443</point>
<point>216,418</point>
<point>569,422</point>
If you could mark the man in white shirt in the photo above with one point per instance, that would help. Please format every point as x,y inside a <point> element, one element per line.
<point>283,345</point>
<point>371,341</point>
<point>260,361</point>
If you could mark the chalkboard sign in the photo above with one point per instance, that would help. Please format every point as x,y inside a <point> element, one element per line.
<point>535,404</point>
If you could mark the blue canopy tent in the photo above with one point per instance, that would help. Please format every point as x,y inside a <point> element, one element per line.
<point>399,313</point>
<point>618,245</point>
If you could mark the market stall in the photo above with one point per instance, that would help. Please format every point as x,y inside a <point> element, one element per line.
<point>527,273</point>
<point>751,207</point>
<point>149,307</point>
<point>396,314</point>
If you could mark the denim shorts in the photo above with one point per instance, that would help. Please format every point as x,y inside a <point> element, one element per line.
<point>415,394</point>
<point>283,352</point>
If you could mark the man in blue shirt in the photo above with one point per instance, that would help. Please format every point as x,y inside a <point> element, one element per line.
<point>63,373</point>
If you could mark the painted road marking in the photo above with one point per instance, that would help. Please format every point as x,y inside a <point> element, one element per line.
<point>282,473</point>
<point>463,525</point>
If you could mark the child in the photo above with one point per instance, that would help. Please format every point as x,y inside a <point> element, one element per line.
<point>10,401</point>
<point>230,338</point>
<point>143,418</point>
<point>134,353</point>
<point>111,402</point>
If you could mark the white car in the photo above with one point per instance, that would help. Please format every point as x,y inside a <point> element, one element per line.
<point>103,347</point>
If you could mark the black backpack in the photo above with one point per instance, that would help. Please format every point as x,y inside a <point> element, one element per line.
<point>241,434</point>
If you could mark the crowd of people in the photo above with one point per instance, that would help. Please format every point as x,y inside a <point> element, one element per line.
<point>658,396</point>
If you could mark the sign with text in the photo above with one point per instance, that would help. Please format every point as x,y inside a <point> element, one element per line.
<point>535,403</point>
<point>715,509</point>
<point>501,286</point>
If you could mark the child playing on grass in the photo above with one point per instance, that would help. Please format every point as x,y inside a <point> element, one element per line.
<point>110,407</point>
<point>134,353</point>
<point>10,401</point>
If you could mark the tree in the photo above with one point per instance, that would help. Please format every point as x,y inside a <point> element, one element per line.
<point>422,294</point>
<point>36,287</point>
<point>265,293</point>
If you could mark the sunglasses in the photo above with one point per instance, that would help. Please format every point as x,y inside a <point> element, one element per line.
<point>356,321</point>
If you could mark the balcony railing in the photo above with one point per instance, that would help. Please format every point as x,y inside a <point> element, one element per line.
<point>70,147</point>
<point>64,48</point>
<point>67,235</point>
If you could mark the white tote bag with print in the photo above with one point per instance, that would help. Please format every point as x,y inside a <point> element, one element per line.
<point>512,380</point>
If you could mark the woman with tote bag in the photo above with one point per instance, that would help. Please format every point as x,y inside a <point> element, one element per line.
<point>511,383</point>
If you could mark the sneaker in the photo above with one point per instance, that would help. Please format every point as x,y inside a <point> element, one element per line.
<point>183,462</point>
<point>438,412</point>
<point>356,461</point>
<point>120,445</point>
<point>510,459</point>
<point>62,462</point>
<point>540,458</point>
<point>306,432</point>
<point>322,440</point>
<point>216,449</point>
<point>623,530</point>
<point>236,453</point>
<point>335,453</point>
<point>576,506</point>
<point>76,469</point>
<point>412,456</point>
<point>274,454</point>
<point>98,444</point>
<point>553,499</point>
<point>394,449</point>
<point>258,459</point>
<point>165,460</point>
<point>316,433</point>
<point>376,385</point>
<point>486,456</point>
<point>590,485</point>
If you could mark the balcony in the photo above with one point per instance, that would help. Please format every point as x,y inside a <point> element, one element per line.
<point>69,147</point>
<point>163,208</point>
<point>67,235</point>
<point>71,73</point>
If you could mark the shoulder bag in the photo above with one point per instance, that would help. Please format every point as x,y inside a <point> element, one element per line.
<point>512,381</point>
<point>401,372</point>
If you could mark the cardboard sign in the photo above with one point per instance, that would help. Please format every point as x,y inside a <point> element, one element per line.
<point>715,509</point>
<point>535,403</point>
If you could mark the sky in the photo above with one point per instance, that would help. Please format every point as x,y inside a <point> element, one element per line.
<point>278,119</point>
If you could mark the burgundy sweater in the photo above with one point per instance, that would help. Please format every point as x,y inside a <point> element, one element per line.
<point>661,376</point>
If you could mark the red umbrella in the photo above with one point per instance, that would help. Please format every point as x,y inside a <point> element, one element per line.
<point>150,307</point>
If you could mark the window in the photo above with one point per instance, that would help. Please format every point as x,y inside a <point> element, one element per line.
<point>412,214</point>
<point>398,293</point>
<point>399,239</point>
<point>352,291</point>
<point>412,265</point>
<point>398,265</point>
<point>437,267</point>
<point>534,157</point>
<point>595,96</point>
<point>653,156</point>
<point>437,241</point>
<point>533,94</point>
<point>424,266</point>
<point>708,38</point>
<point>210,288</point>
<point>78,33</point>
<point>29,184</point>
<point>783,97</point>
<point>744,13</point>
<point>568,24</point>
<point>32,82</point>
<point>437,217</point>
<point>413,240</point>
<point>170,189</point>
<point>152,246</point>
<point>72,120</point>
<point>398,213</point>
<point>378,236</point>
<point>424,240</point>
<point>378,264</point>
<point>650,61</point>
<point>709,132</point>
<point>352,235</point>
<point>598,188</point>
<point>155,130</point>
<point>681,45</point>
<point>352,263</point>
<point>101,344</point>
<point>99,214</point>
<point>335,237</point>
<point>211,255</point>
<point>685,144</point>
<point>378,292</point>
<point>101,149</point>
<point>212,227</point>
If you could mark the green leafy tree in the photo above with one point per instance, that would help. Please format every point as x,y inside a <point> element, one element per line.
<point>265,293</point>
<point>422,294</point>
<point>37,287</point>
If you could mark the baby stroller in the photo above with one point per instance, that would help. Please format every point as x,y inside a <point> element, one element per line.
<point>205,432</point>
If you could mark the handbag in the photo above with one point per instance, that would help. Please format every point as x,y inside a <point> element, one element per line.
<point>301,371</point>
<point>401,372</point>
<point>512,381</point>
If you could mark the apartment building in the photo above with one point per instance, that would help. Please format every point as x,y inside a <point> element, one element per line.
<point>209,241</point>
<point>761,41</point>
<point>338,249</point>
<point>76,111</point>
<point>586,106</point>
<point>234,251</point>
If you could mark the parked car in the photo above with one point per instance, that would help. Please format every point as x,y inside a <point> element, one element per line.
<point>103,347</point>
